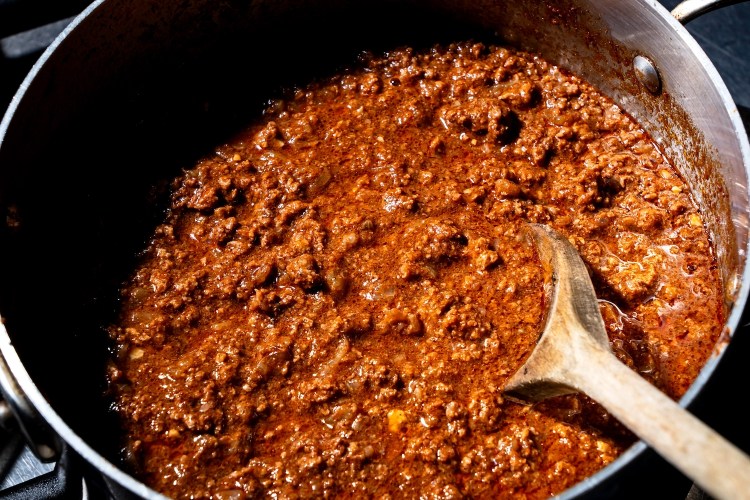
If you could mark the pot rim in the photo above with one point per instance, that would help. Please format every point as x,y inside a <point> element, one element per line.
<point>71,438</point>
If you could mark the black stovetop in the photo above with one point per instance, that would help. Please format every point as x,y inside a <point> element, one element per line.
<point>27,26</point>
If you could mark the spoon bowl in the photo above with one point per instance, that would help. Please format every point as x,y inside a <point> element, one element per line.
<point>573,355</point>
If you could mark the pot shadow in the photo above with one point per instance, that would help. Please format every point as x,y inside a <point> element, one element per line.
<point>82,204</point>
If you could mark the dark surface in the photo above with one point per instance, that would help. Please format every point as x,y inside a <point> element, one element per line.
<point>722,34</point>
<point>21,15</point>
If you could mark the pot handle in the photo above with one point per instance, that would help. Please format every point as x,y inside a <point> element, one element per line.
<point>16,411</point>
<point>688,10</point>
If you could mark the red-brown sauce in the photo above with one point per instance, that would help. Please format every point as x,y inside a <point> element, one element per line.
<point>336,297</point>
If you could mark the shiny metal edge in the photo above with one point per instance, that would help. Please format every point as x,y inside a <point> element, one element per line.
<point>8,351</point>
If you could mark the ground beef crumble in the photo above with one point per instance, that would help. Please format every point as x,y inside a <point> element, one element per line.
<point>336,297</point>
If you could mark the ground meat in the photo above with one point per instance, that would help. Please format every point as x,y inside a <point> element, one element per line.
<point>335,299</point>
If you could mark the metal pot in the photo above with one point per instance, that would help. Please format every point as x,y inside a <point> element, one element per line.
<point>134,90</point>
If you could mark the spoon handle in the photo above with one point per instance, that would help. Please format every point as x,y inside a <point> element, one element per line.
<point>712,462</point>
<point>573,354</point>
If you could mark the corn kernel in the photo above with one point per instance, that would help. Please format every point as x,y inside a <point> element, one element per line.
<point>396,419</point>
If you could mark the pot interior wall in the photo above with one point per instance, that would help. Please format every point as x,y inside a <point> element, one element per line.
<point>117,111</point>
<point>142,89</point>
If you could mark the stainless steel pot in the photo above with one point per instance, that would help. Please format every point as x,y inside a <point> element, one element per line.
<point>133,90</point>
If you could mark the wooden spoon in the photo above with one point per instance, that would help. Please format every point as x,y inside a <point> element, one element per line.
<point>573,355</point>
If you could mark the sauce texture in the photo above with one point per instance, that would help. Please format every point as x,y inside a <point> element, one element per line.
<point>336,297</point>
